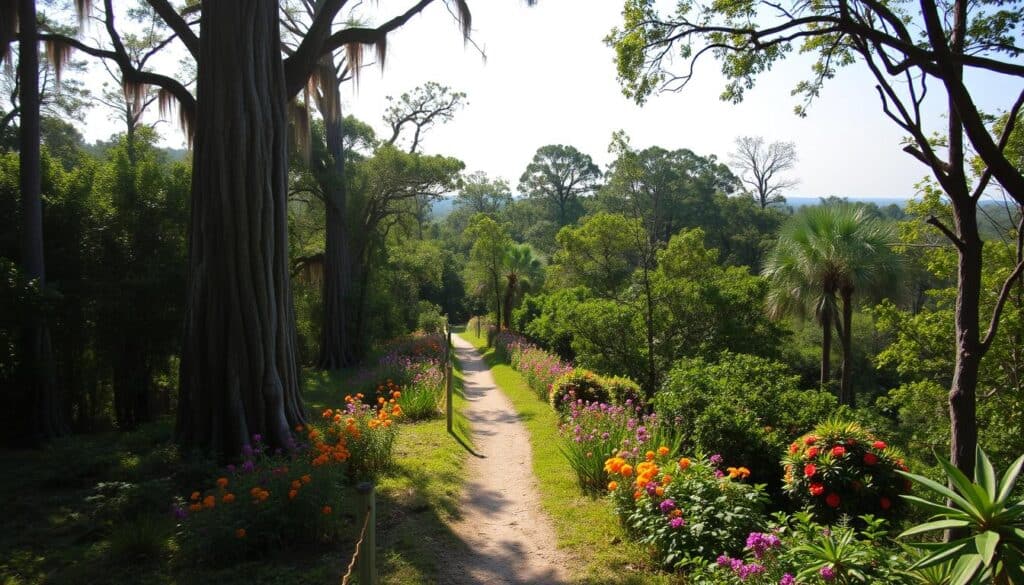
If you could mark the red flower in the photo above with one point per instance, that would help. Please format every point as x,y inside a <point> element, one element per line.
<point>810,470</point>
<point>812,452</point>
<point>817,489</point>
<point>794,447</point>
<point>832,500</point>
<point>810,440</point>
<point>838,451</point>
<point>885,503</point>
<point>870,459</point>
<point>879,445</point>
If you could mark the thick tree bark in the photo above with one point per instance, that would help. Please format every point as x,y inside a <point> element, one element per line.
<point>239,374</point>
<point>963,390</point>
<point>336,340</point>
<point>846,395</point>
<point>826,347</point>
<point>44,411</point>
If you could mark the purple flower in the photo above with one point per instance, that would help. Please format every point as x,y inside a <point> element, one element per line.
<point>247,450</point>
<point>787,579</point>
<point>719,474</point>
<point>179,512</point>
<point>723,560</point>
<point>248,466</point>
<point>231,468</point>
<point>257,438</point>
<point>677,523</point>
<point>667,505</point>
<point>716,459</point>
<point>749,570</point>
<point>652,488</point>
<point>827,573</point>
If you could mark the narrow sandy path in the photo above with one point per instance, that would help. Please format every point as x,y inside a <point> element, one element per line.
<point>509,538</point>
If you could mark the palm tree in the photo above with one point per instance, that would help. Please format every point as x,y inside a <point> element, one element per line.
<point>823,256</point>
<point>522,270</point>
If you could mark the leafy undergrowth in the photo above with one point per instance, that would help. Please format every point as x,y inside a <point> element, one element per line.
<point>586,526</point>
<point>96,509</point>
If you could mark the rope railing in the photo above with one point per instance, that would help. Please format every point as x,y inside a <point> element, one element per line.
<point>364,560</point>
<point>355,555</point>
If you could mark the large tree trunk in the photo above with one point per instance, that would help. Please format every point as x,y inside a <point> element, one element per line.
<point>846,395</point>
<point>336,340</point>
<point>238,367</point>
<point>43,418</point>
<point>963,390</point>
<point>826,346</point>
<point>510,292</point>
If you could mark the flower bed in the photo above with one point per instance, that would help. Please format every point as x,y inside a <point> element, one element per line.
<point>411,365</point>
<point>540,368</point>
<point>687,509</point>
<point>594,431</point>
<point>287,497</point>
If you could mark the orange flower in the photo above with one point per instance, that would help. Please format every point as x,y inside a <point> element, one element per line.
<point>222,482</point>
<point>626,470</point>
<point>326,510</point>
<point>228,498</point>
<point>613,485</point>
<point>296,484</point>
<point>194,497</point>
<point>209,502</point>
<point>298,428</point>
<point>684,463</point>
<point>328,413</point>
<point>292,494</point>
<point>666,479</point>
<point>662,451</point>
<point>240,533</point>
<point>306,478</point>
<point>660,491</point>
<point>649,455</point>
<point>195,507</point>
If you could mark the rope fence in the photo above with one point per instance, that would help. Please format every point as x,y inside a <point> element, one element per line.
<point>364,558</point>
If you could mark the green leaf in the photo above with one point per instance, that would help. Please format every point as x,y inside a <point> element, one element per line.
<point>936,509</point>
<point>946,553</point>
<point>984,474</point>
<point>965,569</point>
<point>1009,480</point>
<point>943,491</point>
<point>936,525</point>
<point>986,543</point>
<point>967,488</point>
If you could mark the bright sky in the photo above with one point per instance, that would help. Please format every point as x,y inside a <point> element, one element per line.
<point>549,78</point>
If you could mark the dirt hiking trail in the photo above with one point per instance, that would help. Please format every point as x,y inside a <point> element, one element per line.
<point>509,538</point>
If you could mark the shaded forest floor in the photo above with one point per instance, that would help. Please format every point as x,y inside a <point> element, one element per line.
<point>96,508</point>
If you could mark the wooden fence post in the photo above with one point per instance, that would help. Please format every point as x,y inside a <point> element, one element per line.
<point>367,561</point>
<point>448,395</point>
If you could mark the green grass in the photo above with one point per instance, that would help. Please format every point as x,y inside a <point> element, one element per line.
<point>586,526</point>
<point>60,525</point>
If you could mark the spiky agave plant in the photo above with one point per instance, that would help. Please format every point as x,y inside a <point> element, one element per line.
<point>990,543</point>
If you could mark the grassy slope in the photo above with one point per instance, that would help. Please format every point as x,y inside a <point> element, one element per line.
<point>586,526</point>
<point>49,535</point>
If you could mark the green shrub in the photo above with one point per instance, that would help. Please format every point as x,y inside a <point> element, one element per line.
<point>841,468</point>
<point>688,510</point>
<point>142,540</point>
<point>577,385</point>
<point>796,549</point>
<point>429,318</point>
<point>745,407</point>
<point>623,391</point>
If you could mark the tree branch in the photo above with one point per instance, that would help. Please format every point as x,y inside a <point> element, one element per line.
<point>946,232</point>
<point>1004,293</point>
<point>177,24</point>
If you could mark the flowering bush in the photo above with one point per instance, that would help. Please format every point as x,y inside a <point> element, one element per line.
<point>798,550</point>
<point>577,385</point>
<point>273,500</point>
<point>840,468</point>
<point>538,367</point>
<point>623,391</point>
<point>412,366</point>
<point>688,509</point>
<point>594,431</point>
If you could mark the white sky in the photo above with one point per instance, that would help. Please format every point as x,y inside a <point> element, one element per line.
<point>549,78</point>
